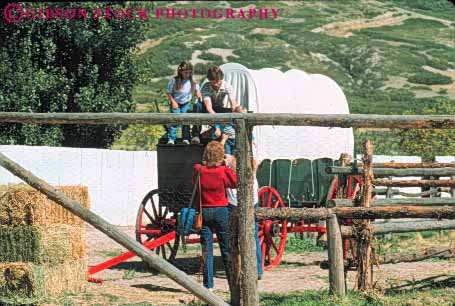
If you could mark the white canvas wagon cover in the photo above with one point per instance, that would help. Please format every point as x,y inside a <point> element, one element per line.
<point>269,90</point>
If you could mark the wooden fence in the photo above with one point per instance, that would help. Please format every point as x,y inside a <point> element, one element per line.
<point>245,288</point>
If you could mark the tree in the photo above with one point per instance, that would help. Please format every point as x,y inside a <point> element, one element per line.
<point>67,65</point>
<point>429,143</point>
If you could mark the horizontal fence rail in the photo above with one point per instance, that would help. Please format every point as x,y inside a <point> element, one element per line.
<point>327,120</point>
<point>403,227</point>
<point>397,202</point>
<point>384,212</point>
<point>384,172</point>
<point>414,183</point>
<point>396,165</point>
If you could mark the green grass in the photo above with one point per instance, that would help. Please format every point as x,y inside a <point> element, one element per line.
<point>110,297</point>
<point>297,245</point>
<point>129,274</point>
<point>109,253</point>
<point>435,297</point>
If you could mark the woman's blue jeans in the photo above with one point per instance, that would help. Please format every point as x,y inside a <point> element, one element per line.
<point>215,219</point>
<point>172,130</point>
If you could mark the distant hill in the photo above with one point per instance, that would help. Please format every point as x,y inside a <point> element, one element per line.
<point>388,56</point>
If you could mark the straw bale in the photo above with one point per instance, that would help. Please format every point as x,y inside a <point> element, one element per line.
<point>42,244</point>
<point>20,204</point>
<point>27,283</point>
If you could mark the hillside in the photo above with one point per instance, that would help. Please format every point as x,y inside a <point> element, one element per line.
<point>389,57</point>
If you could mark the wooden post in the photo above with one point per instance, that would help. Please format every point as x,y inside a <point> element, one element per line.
<point>335,252</point>
<point>153,260</point>
<point>363,229</point>
<point>247,284</point>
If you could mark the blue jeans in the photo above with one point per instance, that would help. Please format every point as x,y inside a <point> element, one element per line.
<point>198,108</point>
<point>229,147</point>
<point>172,130</point>
<point>214,219</point>
<point>258,247</point>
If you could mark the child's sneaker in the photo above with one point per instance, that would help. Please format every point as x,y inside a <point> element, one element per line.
<point>186,142</point>
<point>195,140</point>
<point>170,142</point>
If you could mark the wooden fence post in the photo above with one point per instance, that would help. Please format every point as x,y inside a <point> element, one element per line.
<point>113,232</point>
<point>363,228</point>
<point>335,250</point>
<point>244,289</point>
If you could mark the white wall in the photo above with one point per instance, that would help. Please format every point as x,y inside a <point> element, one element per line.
<point>117,180</point>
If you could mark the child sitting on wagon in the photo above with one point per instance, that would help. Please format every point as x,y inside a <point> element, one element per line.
<point>179,91</point>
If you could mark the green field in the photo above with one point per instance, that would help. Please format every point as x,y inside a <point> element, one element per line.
<point>389,57</point>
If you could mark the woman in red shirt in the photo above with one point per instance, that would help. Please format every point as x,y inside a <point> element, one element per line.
<point>214,179</point>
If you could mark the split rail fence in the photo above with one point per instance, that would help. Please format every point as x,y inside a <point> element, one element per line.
<point>244,290</point>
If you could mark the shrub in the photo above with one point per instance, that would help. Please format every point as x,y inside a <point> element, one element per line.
<point>430,78</point>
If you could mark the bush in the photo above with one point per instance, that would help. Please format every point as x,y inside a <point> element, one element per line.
<point>430,78</point>
<point>211,57</point>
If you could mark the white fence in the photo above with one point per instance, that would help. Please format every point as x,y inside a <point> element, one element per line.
<point>117,180</point>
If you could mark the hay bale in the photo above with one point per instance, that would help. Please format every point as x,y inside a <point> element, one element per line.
<point>27,283</point>
<point>22,205</point>
<point>42,244</point>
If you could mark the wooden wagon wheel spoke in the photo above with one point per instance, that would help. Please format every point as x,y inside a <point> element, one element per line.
<point>163,248</point>
<point>157,225</point>
<point>154,209</point>
<point>148,214</point>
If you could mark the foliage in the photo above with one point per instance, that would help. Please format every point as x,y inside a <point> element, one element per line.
<point>139,137</point>
<point>55,66</point>
<point>385,142</point>
<point>430,78</point>
<point>200,68</point>
<point>210,57</point>
<point>428,143</point>
<point>296,245</point>
<point>440,8</point>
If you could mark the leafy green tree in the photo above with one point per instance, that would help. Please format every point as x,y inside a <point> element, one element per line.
<point>139,137</point>
<point>428,143</point>
<point>67,65</point>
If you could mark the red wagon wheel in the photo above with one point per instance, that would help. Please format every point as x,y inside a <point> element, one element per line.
<point>352,189</point>
<point>272,233</point>
<point>152,221</point>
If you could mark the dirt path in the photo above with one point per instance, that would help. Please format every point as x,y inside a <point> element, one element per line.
<point>130,282</point>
